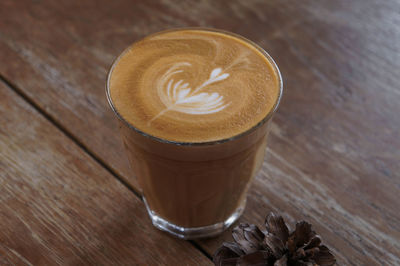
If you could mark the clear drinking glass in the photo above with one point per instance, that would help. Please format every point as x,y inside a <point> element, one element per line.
<point>194,190</point>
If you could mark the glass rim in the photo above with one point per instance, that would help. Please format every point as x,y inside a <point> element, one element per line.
<point>205,143</point>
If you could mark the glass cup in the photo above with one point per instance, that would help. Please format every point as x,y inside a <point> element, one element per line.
<point>194,190</point>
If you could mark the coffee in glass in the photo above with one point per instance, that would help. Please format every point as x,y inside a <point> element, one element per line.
<point>194,107</point>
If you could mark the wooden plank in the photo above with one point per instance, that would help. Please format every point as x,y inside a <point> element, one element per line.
<point>334,150</point>
<point>59,207</point>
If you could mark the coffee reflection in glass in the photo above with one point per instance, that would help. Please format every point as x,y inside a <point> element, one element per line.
<point>194,107</point>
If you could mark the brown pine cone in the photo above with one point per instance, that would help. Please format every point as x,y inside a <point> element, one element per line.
<point>276,246</point>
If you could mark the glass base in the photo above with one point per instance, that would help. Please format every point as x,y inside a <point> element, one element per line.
<point>194,232</point>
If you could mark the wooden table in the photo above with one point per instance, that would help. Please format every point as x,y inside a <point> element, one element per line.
<point>67,195</point>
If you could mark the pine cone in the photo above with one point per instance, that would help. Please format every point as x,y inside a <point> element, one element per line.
<point>275,247</point>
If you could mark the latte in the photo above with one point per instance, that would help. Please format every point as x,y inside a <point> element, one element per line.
<point>193,85</point>
<point>194,106</point>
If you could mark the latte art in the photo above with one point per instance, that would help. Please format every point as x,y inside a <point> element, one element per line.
<point>181,97</point>
<point>193,85</point>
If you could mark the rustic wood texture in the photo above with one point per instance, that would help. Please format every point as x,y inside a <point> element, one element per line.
<point>334,151</point>
<point>60,207</point>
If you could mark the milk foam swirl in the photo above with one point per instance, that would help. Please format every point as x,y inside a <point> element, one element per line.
<point>181,97</point>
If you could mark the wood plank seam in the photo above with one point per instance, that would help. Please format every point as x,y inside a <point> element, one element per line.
<point>201,249</point>
<point>85,149</point>
<point>67,133</point>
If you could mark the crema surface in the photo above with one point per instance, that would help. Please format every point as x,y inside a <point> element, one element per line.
<point>193,85</point>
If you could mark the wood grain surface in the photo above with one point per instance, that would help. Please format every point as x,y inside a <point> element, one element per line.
<point>59,207</point>
<point>334,150</point>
